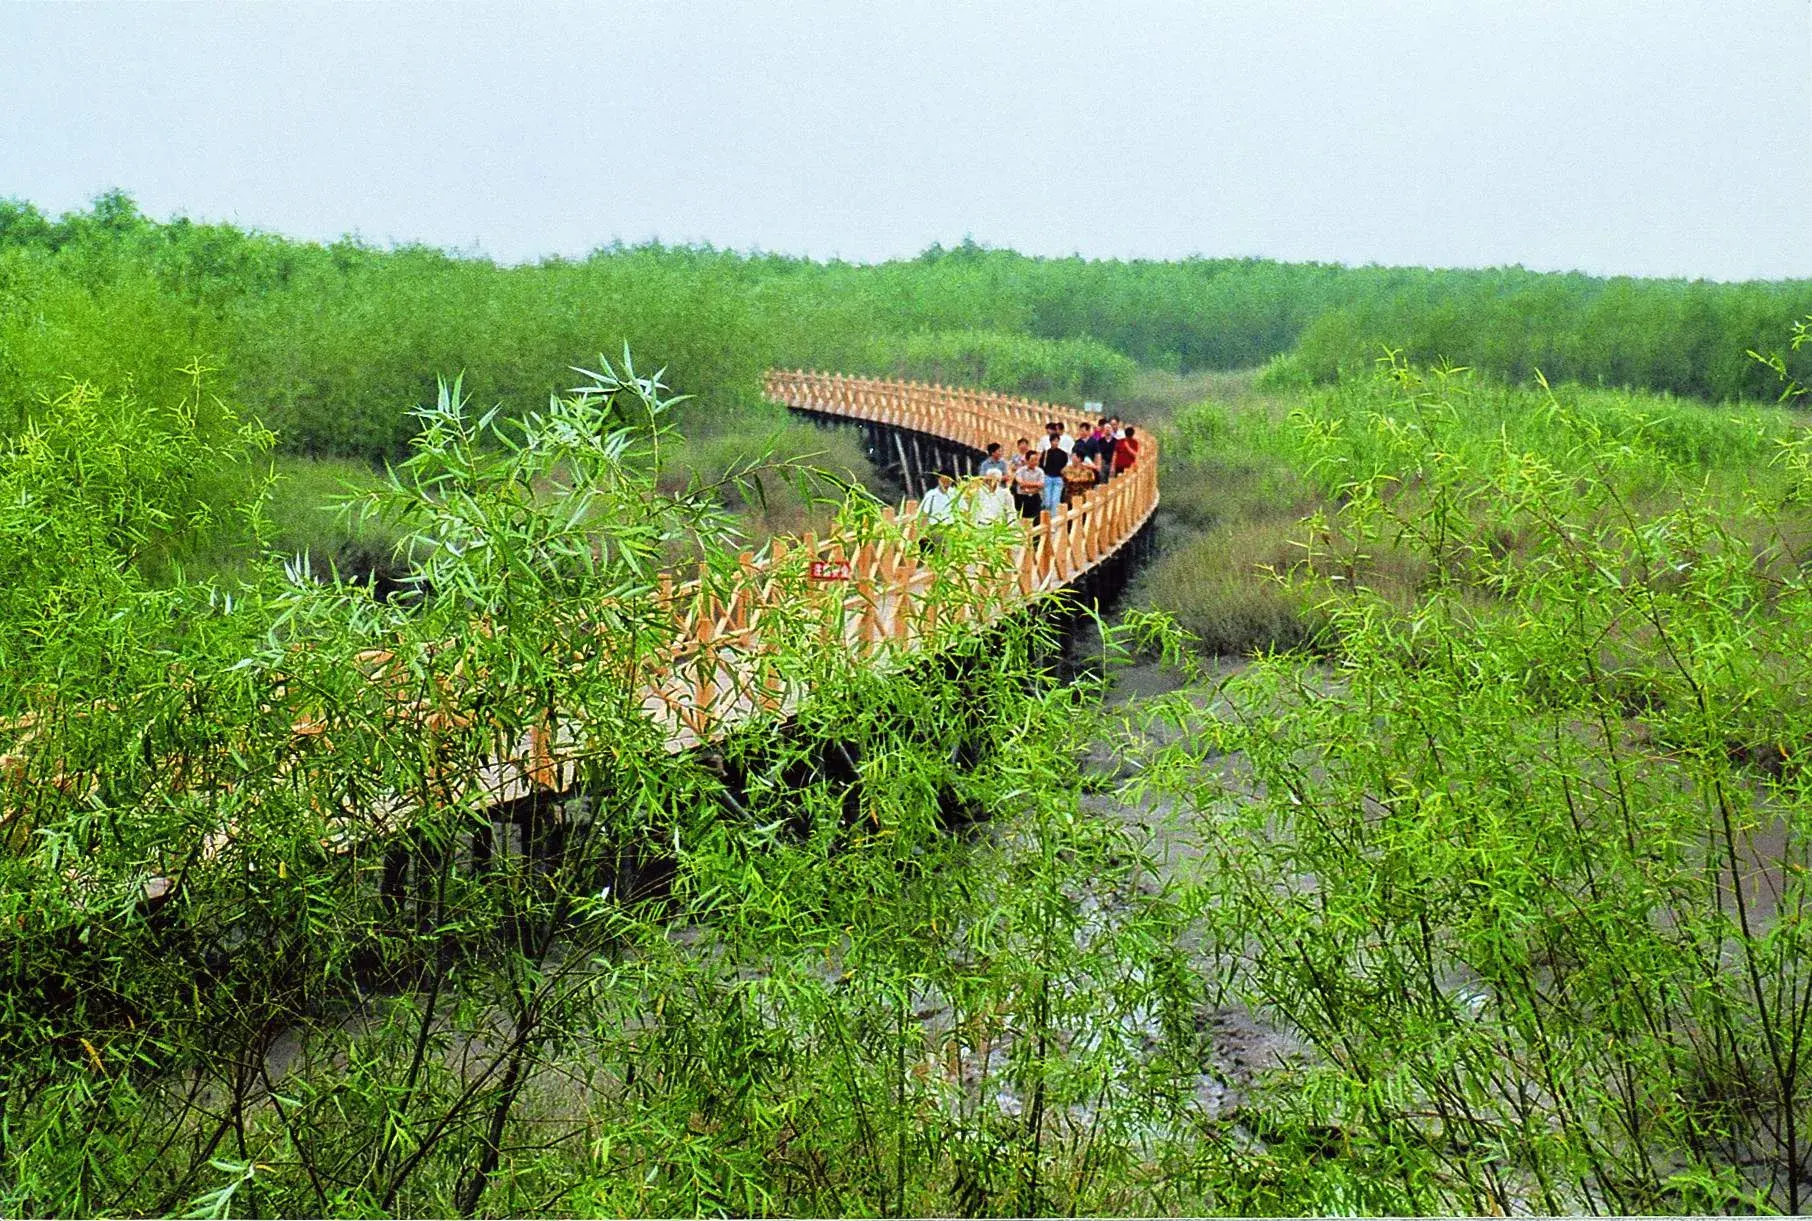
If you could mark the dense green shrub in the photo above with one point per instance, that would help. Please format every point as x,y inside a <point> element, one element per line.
<point>121,333</point>
<point>727,979</point>
<point>104,499</point>
<point>335,359</point>
<point>1068,369</point>
<point>1524,854</point>
<point>1688,338</point>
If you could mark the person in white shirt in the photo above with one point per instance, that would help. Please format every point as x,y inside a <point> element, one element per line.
<point>939,504</point>
<point>990,502</point>
<point>1054,435</point>
<point>1024,479</point>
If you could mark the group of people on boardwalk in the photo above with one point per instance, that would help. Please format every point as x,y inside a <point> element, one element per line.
<point>1036,479</point>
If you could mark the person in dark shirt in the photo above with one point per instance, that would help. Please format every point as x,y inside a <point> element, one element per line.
<point>1084,450</point>
<point>1051,462</point>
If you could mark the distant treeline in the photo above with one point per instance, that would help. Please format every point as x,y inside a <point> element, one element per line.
<point>331,344</point>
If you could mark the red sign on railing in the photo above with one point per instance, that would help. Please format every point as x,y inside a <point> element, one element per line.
<point>829,570</point>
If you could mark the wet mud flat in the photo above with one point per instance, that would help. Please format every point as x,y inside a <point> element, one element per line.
<point>1245,1048</point>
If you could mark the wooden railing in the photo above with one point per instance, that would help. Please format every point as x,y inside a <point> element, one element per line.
<point>1058,549</point>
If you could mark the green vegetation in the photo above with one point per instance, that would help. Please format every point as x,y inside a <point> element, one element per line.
<point>328,345</point>
<point>1472,877</point>
<point>1051,368</point>
<point>104,499</point>
<point>732,979</point>
<point>1522,853</point>
<point>1690,339</point>
<point>306,521</point>
<point>1244,467</point>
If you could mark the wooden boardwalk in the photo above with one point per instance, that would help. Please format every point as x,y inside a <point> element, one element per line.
<point>885,597</point>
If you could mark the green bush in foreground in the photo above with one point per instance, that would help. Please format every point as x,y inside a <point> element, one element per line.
<point>1524,860</point>
<point>104,502</point>
<point>257,965</point>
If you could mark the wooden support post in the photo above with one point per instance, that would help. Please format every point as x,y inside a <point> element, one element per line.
<point>542,769</point>
<point>906,473</point>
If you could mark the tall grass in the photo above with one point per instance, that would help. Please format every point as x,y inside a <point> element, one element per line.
<point>832,461</point>
<point>1056,368</point>
<point>1523,855</point>
<point>306,519</point>
<point>1245,471</point>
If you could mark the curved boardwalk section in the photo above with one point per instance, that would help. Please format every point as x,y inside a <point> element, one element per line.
<point>1061,547</point>
<point>870,587</point>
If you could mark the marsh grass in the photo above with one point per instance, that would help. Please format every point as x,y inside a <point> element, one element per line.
<point>1523,855</point>
<point>1254,479</point>
<point>1070,369</point>
<point>304,513</point>
<point>833,460</point>
<point>1154,397</point>
<point>1230,507</point>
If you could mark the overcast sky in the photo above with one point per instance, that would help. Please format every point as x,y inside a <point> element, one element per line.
<point>1665,137</point>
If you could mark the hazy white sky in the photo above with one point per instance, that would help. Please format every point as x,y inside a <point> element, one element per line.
<point>1664,137</point>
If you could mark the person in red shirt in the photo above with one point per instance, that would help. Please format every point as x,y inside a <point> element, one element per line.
<point>1126,451</point>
